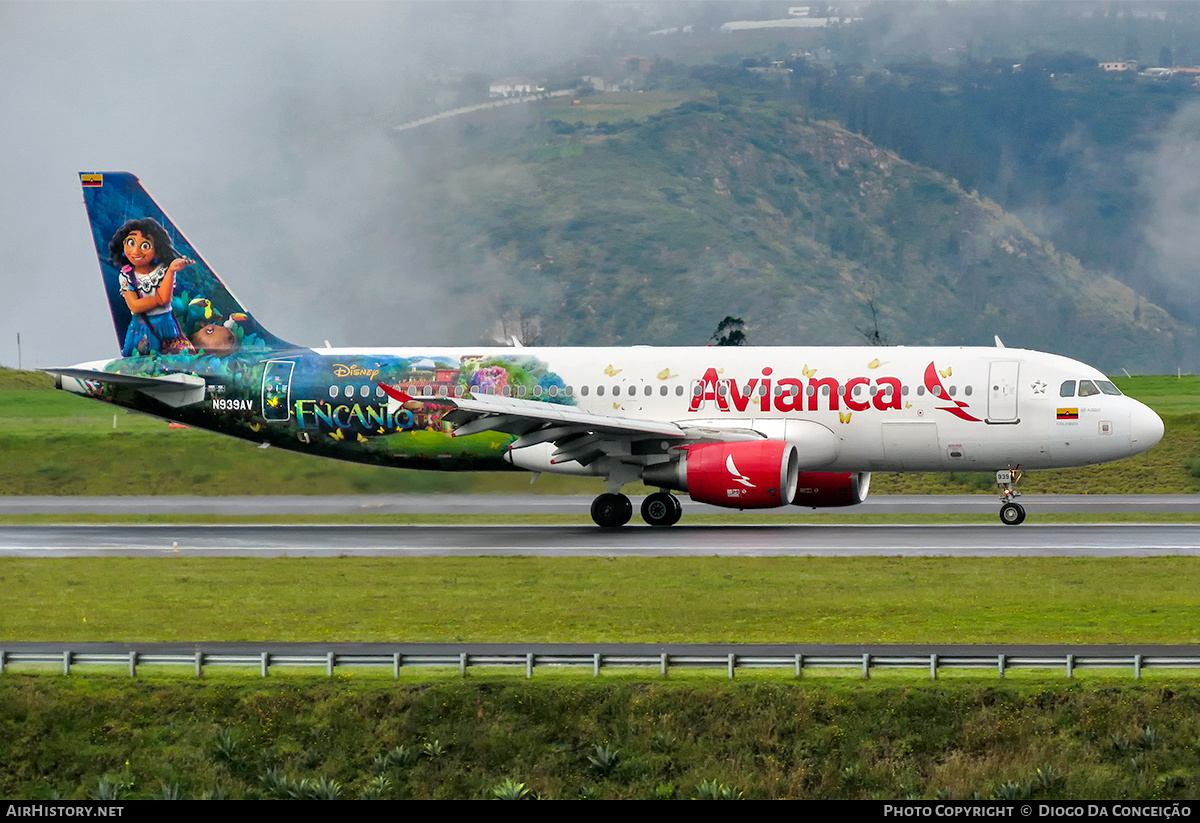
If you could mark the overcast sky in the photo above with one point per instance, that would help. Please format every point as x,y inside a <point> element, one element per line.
<point>201,100</point>
<point>265,129</point>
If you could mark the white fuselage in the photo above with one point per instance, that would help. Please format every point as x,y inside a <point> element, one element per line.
<point>888,409</point>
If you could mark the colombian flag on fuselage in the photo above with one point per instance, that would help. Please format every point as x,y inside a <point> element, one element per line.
<point>1068,414</point>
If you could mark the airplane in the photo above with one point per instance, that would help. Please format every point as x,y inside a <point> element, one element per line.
<point>735,427</point>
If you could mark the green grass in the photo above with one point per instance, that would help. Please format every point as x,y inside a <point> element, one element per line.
<point>764,737</point>
<point>676,599</point>
<point>57,443</point>
<point>830,735</point>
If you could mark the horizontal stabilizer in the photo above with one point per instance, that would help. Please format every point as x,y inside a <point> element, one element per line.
<point>174,390</point>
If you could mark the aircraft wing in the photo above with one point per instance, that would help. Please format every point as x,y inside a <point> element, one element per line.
<point>174,390</point>
<point>578,435</point>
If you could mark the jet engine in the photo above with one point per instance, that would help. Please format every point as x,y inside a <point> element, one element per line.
<point>753,474</point>
<point>828,489</point>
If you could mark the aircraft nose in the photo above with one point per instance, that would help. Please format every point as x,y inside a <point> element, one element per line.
<point>1145,427</point>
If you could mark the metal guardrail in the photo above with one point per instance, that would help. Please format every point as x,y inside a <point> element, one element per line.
<point>597,661</point>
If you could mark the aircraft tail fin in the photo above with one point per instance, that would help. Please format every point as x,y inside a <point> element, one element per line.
<point>204,316</point>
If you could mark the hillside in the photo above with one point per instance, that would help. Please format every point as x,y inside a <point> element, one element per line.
<point>651,231</point>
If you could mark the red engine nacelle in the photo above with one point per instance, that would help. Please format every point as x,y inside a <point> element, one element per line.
<point>754,474</point>
<point>828,489</point>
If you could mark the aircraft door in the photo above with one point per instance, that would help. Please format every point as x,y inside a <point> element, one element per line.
<point>277,391</point>
<point>1002,391</point>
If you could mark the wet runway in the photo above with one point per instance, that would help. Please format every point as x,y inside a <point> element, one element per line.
<point>573,504</point>
<point>584,539</point>
<point>1029,540</point>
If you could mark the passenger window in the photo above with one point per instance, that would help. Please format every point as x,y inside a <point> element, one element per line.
<point>953,390</point>
<point>583,390</point>
<point>1087,388</point>
<point>920,391</point>
<point>599,391</point>
<point>552,391</point>
<point>967,391</point>
<point>1067,389</point>
<point>333,391</point>
<point>650,390</point>
<point>679,391</point>
<point>537,391</point>
<point>662,390</point>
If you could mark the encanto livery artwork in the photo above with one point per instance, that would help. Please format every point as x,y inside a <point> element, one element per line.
<point>174,316</point>
<point>737,427</point>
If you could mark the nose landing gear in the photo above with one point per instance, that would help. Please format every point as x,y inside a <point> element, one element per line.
<point>1012,513</point>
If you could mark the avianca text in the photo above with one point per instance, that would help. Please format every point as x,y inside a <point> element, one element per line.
<point>794,393</point>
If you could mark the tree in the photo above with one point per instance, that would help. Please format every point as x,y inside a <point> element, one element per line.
<point>871,333</point>
<point>729,332</point>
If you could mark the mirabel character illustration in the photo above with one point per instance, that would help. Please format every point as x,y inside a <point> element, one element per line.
<point>143,252</point>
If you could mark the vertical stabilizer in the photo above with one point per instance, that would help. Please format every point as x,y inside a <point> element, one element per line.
<point>204,316</point>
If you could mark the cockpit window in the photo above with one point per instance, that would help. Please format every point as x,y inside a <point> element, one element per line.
<point>1087,388</point>
<point>1108,388</point>
<point>1067,389</point>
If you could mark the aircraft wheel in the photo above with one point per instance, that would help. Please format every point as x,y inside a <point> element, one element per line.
<point>662,509</point>
<point>1012,514</point>
<point>611,511</point>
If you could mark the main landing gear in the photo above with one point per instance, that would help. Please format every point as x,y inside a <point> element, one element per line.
<point>662,509</point>
<point>611,511</point>
<point>1012,513</point>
